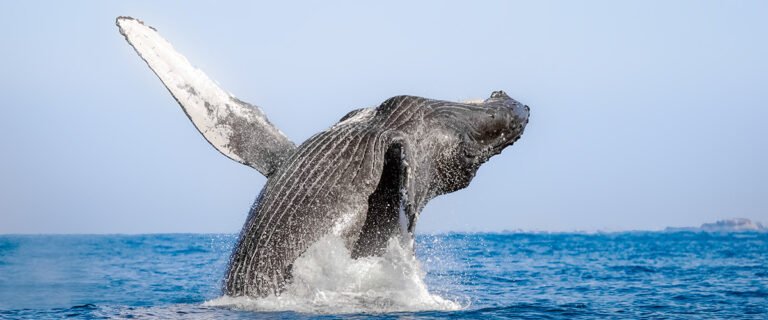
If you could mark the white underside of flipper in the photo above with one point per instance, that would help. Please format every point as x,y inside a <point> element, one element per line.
<point>237,129</point>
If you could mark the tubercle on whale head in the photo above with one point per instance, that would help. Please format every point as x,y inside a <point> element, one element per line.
<point>482,130</point>
<point>514,113</point>
<point>518,111</point>
<point>500,123</point>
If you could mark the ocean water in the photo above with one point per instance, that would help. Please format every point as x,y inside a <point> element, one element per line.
<point>518,275</point>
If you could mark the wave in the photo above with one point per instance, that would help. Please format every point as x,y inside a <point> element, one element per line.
<point>326,279</point>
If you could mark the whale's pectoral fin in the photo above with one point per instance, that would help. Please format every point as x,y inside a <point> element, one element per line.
<point>237,129</point>
<point>390,209</point>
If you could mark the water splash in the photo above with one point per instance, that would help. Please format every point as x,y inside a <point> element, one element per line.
<point>326,279</point>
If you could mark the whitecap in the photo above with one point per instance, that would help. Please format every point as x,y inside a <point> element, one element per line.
<point>326,279</point>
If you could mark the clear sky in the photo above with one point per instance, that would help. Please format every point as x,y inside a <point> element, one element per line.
<point>644,114</point>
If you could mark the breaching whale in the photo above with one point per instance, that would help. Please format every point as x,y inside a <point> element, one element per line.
<point>364,179</point>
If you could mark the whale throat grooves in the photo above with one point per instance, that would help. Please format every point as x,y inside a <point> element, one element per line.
<point>363,181</point>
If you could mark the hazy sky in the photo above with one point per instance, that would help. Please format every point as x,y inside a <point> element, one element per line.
<point>643,114</point>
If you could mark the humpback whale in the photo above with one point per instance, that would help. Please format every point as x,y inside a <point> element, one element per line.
<point>364,179</point>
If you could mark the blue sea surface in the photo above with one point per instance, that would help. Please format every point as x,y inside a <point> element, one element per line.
<point>517,275</point>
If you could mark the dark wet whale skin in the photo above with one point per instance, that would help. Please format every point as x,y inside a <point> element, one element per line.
<point>355,178</point>
<point>365,179</point>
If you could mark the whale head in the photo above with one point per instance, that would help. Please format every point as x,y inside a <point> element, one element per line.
<point>500,123</point>
<point>477,132</point>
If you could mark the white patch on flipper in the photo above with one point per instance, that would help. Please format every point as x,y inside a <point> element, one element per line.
<point>204,102</point>
<point>327,280</point>
<point>405,236</point>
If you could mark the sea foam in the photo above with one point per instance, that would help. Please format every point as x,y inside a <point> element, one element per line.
<point>326,279</point>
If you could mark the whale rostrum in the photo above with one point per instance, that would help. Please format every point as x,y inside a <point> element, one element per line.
<point>365,179</point>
